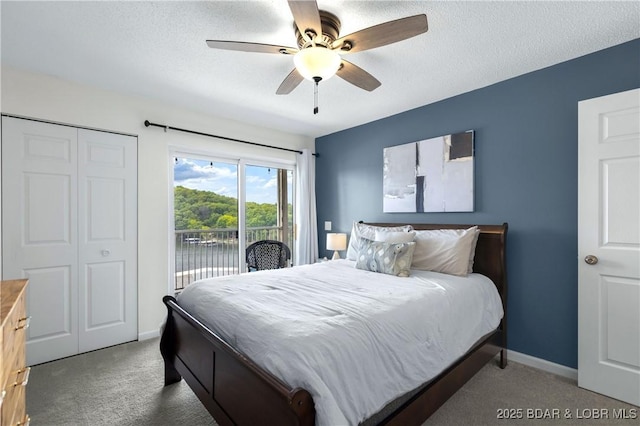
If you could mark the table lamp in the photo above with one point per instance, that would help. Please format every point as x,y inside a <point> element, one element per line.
<point>336,242</point>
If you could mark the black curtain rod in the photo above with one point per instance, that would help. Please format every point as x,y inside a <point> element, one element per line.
<point>147,123</point>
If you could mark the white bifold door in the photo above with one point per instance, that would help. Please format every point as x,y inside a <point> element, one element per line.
<point>69,218</point>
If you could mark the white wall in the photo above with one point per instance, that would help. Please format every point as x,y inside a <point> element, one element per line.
<point>48,98</point>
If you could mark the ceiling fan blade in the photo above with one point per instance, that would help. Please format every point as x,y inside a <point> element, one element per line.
<point>357,76</point>
<point>290,82</point>
<point>306,16</point>
<point>382,34</point>
<point>251,47</point>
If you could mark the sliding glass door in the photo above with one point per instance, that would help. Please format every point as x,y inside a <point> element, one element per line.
<point>205,196</point>
<point>220,207</point>
<point>269,204</point>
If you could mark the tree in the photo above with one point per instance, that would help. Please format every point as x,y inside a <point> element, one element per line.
<point>196,209</point>
<point>227,221</point>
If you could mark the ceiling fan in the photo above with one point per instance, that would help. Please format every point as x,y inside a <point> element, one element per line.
<point>318,56</point>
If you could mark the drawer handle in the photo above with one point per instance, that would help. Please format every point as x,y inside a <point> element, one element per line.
<point>25,421</point>
<point>25,377</point>
<point>23,323</point>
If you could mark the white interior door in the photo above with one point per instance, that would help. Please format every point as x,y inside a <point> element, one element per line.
<point>39,192</point>
<point>107,230</point>
<point>69,199</point>
<point>609,246</point>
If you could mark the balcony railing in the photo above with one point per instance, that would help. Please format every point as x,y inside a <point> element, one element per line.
<point>214,252</point>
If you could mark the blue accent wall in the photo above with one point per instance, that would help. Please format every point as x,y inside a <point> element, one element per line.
<point>526,174</point>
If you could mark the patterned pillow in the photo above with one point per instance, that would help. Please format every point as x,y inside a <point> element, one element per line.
<point>363,230</point>
<point>387,258</point>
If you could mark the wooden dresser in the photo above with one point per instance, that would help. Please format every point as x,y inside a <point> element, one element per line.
<point>14,374</point>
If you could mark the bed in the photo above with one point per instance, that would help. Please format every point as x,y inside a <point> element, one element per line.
<point>239,389</point>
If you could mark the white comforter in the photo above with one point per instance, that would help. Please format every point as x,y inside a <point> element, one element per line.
<point>354,339</point>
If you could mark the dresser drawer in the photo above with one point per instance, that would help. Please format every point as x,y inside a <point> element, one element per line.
<point>13,406</point>
<point>14,374</point>
<point>3,373</point>
<point>13,337</point>
<point>14,360</point>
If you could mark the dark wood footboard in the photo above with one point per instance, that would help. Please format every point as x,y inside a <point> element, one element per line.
<point>233,388</point>
<point>237,391</point>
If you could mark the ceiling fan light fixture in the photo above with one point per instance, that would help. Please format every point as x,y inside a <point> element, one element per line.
<point>315,61</point>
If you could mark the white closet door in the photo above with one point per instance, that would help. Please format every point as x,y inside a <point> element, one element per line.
<point>107,224</point>
<point>39,198</point>
<point>69,200</point>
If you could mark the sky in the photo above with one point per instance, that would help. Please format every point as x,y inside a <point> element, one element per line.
<point>222,178</point>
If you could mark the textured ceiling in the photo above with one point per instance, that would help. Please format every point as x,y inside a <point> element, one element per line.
<point>157,49</point>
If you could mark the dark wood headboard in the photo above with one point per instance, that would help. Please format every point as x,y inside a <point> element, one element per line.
<point>490,258</point>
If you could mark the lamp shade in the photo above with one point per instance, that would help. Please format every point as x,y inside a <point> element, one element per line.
<point>336,241</point>
<point>317,62</point>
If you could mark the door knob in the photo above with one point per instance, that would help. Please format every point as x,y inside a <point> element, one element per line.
<point>591,259</point>
<point>105,252</point>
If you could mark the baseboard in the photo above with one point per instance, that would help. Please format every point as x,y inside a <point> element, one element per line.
<point>544,365</point>
<point>148,335</point>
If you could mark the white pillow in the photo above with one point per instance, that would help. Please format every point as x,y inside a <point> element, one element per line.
<point>395,237</point>
<point>449,251</point>
<point>362,230</point>
<point>472,255</point>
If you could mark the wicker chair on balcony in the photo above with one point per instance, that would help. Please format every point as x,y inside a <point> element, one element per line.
<point>267,254</point>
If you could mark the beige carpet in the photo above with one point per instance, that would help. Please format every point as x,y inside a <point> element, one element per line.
<point>123,385</point>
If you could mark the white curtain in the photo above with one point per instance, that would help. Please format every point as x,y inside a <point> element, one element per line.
<point>306,246</point>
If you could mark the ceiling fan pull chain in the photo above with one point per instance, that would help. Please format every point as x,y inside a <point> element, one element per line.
<point>315,94</point>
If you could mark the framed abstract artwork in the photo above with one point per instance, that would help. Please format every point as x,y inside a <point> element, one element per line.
<point>432,175</point>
